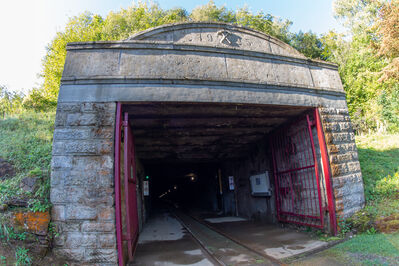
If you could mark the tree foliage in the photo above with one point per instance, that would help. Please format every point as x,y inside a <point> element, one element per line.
<point>371,100</point>
<point>309,44</point>
<point>388,32</point>
<point>10,102</point>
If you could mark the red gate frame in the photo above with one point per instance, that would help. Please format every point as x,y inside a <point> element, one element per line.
<point>326,171</point>
<point>130,179</point>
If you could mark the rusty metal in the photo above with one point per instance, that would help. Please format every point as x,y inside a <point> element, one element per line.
<point>296,175</point>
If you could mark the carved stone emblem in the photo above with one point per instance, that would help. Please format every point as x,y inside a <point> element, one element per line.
<point>225,36</point>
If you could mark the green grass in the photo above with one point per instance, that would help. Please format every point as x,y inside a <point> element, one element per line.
<point>375,244</point>
<point>379,160</point>
<point>25,142</point>
<point>374,249</point>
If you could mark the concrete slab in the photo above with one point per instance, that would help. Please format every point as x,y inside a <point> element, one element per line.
<point>161,227</point>
<point>269,239</point>
<point>164,242</point>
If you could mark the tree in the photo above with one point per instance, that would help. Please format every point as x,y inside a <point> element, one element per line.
<point>388,32</point>
<point>357,15</point>
<point>210,12</point>
<point>371,100</point>
<point>309,44</point>
<point>10,102</point>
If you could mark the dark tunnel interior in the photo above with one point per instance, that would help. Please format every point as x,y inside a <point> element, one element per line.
<point>187,186</point>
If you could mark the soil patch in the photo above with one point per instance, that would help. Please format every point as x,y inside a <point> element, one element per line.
<point>6,169</point>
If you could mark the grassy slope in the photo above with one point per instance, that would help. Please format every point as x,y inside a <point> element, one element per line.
<point>26,143</point>
<point>379,160</point>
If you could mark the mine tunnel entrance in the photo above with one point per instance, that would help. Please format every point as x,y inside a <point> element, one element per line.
<point>218,161</point>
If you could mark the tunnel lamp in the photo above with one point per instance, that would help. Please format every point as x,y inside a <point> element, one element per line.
<point>192,176</point>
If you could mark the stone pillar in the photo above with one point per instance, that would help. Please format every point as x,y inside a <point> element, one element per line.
<point>82,182</point>
<point>345,168</point>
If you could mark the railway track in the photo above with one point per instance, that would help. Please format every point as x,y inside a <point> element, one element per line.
<point>221,248</point>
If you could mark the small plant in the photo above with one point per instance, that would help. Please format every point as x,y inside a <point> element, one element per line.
<point>371,231</point>
<point>3,261</point>
<point>22,257</point>
<point>52,230</point>
<point>8,233</point>
<point>344,226</point>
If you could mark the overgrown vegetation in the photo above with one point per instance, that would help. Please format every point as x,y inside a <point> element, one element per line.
<point>379,161</point>
<point>26,143</point>
<point>22,257</point>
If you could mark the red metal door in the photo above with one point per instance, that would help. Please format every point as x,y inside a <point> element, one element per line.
<point>296,174</point>
<point>130,188</point>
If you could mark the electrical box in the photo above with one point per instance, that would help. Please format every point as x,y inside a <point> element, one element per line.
<point>260,185</point>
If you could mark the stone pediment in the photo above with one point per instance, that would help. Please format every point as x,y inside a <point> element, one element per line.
<point>218,35</point>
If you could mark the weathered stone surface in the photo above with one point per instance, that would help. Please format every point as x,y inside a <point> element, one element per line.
<point>30,184</point>
<point>345,167</point>
<point>79,239</point>
<point>107,241</point>
<point>97,227</point>
<point>34,222</point>
<point>6,169</point>
<point>79,212</point>
<point>82,179</point>
<point>58,213</point>
<point>101,255</point>
<point>73,254</point>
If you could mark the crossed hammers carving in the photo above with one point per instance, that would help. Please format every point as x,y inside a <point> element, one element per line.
<point>224,34</point>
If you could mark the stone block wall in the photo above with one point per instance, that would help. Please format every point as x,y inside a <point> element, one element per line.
<point>258,162</point>
<point>82,182</point>
<point>345,167</point>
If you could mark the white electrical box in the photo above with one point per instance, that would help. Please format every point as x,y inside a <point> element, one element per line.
<point>260,185</point>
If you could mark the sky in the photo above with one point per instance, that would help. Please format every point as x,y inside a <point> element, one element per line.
<point>28,26</point>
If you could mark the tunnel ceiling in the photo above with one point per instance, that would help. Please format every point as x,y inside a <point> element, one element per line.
<point>202,132</point>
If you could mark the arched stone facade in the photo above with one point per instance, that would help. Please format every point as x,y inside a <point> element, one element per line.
<point>179,63</point>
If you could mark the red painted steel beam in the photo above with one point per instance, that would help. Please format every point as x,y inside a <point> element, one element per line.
<point>118,208</point>
<point>327,173</point>
<point>316,169</point>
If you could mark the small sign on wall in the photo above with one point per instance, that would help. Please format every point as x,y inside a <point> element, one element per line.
<point>231,182</point>
<point>146,188</point>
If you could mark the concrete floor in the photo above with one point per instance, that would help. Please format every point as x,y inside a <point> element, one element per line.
<point>269,239</point>
<point>165,242</point>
